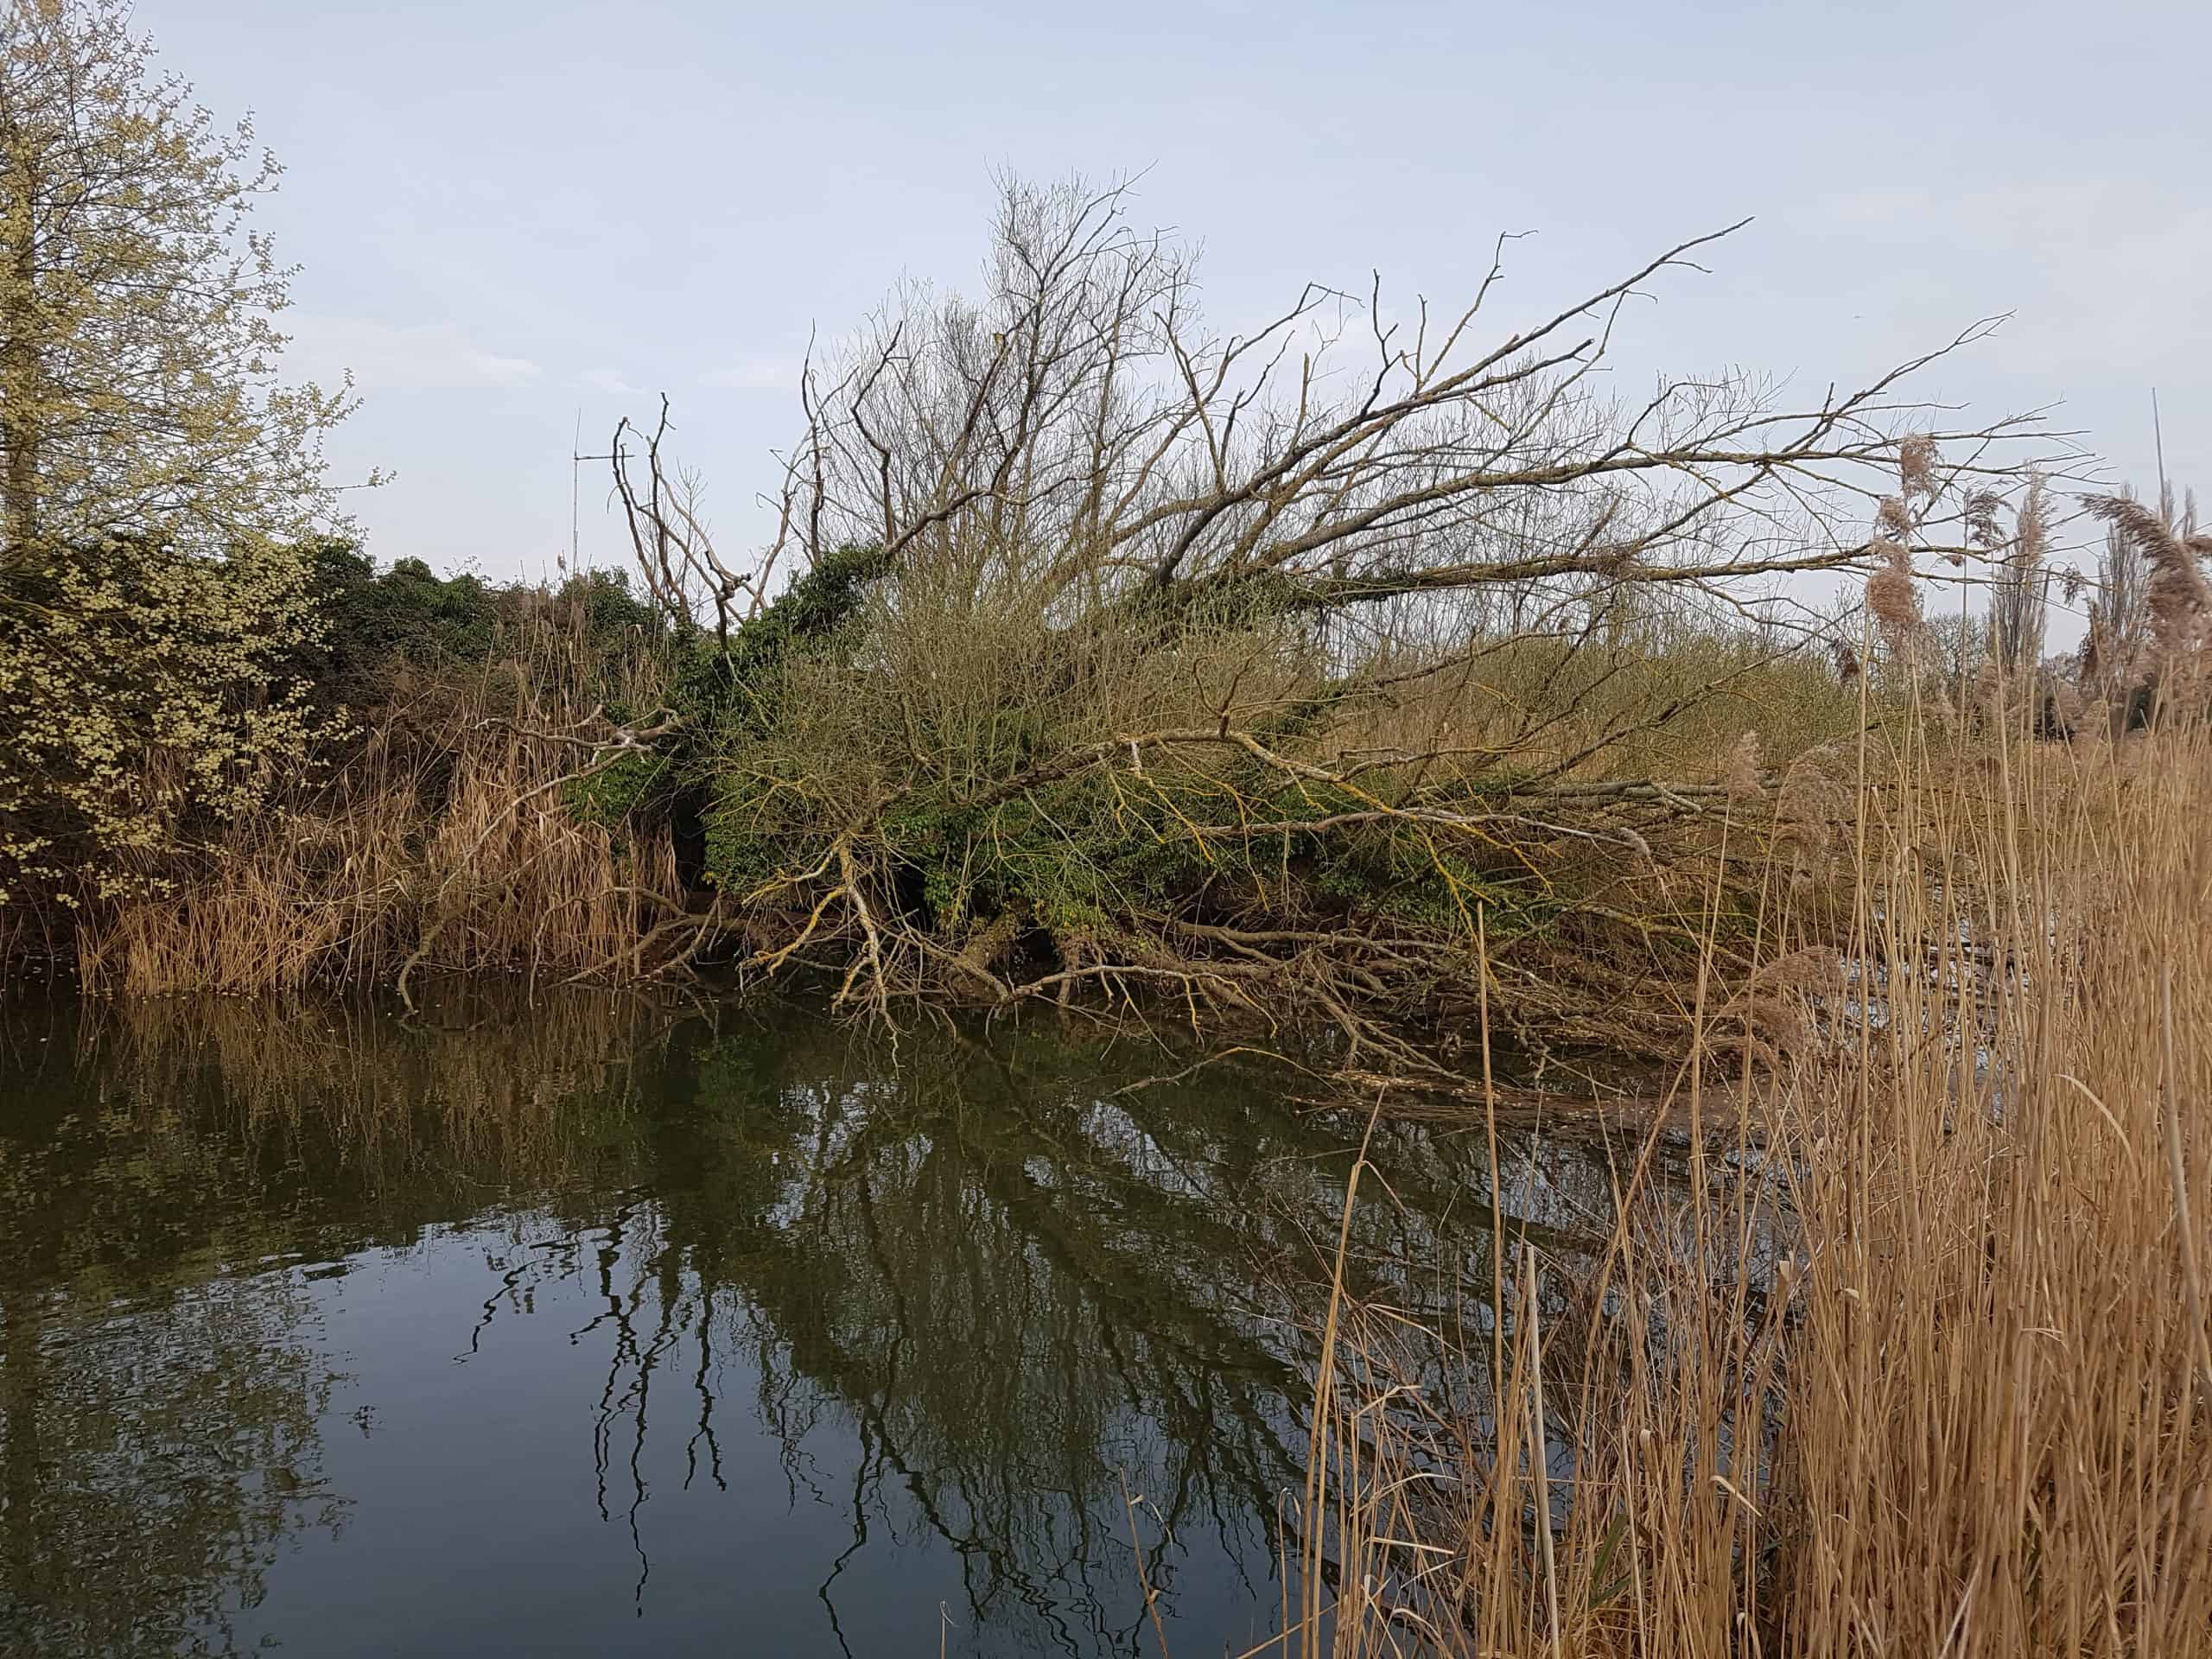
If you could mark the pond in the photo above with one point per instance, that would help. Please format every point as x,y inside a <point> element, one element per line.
<point>589,1326</point>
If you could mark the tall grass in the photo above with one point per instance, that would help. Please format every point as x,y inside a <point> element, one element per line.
<point>1918,1364</point>
<point>439,837</point>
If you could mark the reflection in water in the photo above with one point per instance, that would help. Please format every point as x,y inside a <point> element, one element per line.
<point>587,1328</point>
<point>159,1415</point>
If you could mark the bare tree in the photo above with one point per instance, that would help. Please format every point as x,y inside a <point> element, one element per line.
<point>1079,436</point>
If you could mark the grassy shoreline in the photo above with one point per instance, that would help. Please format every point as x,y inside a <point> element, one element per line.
<point>558,785</point>
<point>1917,1359</point>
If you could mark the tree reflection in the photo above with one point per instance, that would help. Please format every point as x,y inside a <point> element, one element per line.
<point>158,1416</point>
<point>1023,1290</point>
<point>985,1288</point>
<point>161,1389</point>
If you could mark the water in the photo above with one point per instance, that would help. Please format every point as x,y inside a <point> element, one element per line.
<point>585,1327</point>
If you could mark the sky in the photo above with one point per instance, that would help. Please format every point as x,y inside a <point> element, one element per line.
<point>519,220</point>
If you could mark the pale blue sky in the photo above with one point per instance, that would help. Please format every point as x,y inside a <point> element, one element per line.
<point>511,213</point>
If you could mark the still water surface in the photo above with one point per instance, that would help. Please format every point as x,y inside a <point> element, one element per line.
<point>584,1327</point>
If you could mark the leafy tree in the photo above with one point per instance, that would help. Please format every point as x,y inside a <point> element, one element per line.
<point>370,620</point>
<point>159,485</point>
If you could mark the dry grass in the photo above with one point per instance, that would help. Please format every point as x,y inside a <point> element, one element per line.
<point>1918,1362</point>
<point>443,840</point>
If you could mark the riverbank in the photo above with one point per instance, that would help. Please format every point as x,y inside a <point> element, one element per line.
<point>555,784</point>
<point>1394,688</point>
<point>1903,1349</point>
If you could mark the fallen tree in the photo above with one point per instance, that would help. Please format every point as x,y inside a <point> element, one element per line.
<point>1350,668</point>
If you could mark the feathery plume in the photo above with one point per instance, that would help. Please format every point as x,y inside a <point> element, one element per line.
<point>1807,807</point>
<point>1775,1009</point>
<point>1890,594</point>
<point>1984,527</point>
<point>1742,775</point>
<point>2015,602</point>
<point>1917,460</point>
<point>2032,529</point>
<point>2180,600</point>
<point>1988,687</point>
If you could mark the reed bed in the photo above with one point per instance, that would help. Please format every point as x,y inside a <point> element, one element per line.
<point>1917,1363</point>
<point>439,838</point>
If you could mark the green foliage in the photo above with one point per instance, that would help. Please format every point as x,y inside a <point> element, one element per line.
<point>611,795</point>
<point>741,859</point>
<point>806,613</point>
<point>411,610</point>
<point>141,689</point>
<point>728,700</point>
<point>1072,856</point>
<point>159,485</point>
<point>369,621</point>
<point>611,614</point>
<point>825,733</point>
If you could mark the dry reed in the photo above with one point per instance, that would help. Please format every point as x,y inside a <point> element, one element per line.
<point>442,840</point>
<point>1917,1362</point>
